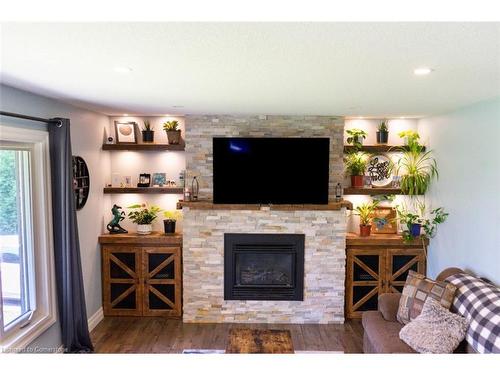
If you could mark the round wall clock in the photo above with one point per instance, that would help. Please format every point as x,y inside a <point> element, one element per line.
<point>81,182</point>
<point>380,170</point>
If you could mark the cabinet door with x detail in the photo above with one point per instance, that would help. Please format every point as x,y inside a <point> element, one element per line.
<point>162,281</point>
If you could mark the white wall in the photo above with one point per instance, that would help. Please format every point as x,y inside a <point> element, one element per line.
<point>87,129</point>
<point>465,147</point>
<point>132,163</point>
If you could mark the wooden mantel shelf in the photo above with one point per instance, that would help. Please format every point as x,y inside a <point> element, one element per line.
<point>207,205</point>
<point>155,238</point>
<point>354,239</point>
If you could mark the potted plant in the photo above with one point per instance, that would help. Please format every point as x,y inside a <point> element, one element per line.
<point>417,169</point>
<point>410,137</point>
<point>171,218</point>
<point>143,216</point>
<point>416,222</point>
<point>365,213</point>
<point>383,132</point>
<point>173,134</point>
<point>356,137</point>
<point>148,133</point>
<point>355,165</point>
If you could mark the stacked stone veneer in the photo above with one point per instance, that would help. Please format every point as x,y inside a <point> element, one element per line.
<point>201,129</point>
<point>203,259</point>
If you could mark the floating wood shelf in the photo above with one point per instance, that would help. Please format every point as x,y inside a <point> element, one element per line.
<point>377,148</point>
<point>143,147</point>
<point>143,190</point>
<point>372,191</point>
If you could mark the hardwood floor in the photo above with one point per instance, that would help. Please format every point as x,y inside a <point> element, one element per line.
<point>160,335</point>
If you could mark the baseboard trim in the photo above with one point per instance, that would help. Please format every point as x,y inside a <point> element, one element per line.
<point>95,319</point>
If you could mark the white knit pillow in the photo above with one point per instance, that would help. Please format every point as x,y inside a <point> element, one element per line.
<point>435,330</point>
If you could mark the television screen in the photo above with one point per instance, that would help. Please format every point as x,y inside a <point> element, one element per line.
<point>271,170</point>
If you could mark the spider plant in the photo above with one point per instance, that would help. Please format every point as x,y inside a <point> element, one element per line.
<point>418,170</point>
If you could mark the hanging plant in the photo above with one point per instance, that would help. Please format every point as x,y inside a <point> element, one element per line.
<point>417,170</point>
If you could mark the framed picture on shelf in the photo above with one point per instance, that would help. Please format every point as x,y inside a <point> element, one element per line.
<point>126,132</point>
<point>144,180</point>
<point>159,179</point>
<point>384,221</point>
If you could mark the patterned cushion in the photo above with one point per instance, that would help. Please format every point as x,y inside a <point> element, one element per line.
<point>416,290</point>
<point>435,330</point>
<point>479,302</point>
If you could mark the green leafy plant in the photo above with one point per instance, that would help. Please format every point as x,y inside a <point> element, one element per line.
<point>355,137</point>
<point>147,125</point>
<point>356,163</point>
<point>172,215</point>
<point>142,214</point>
<point>170,125</point>
<point>382,126</point>
<point>411,136</point>
<point>365,212</point>
<point>417,169</point>
<point>428,220</point>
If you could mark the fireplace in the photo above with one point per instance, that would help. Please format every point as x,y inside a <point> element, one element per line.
<point>264,267</point>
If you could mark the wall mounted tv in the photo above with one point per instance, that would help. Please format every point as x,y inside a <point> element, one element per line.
<point>271,170</point>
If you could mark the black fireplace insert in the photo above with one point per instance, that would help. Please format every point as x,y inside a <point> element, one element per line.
<point>264,266</point>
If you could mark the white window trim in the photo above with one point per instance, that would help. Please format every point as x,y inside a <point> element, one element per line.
<point>45,314</point>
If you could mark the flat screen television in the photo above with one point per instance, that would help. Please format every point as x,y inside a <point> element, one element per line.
<point>271,170</point>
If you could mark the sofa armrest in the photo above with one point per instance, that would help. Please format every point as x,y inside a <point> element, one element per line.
<point>388,304</point>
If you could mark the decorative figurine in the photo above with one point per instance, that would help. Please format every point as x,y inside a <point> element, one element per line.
<point>114,225</point>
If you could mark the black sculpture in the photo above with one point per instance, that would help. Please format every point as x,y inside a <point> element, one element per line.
<point>114,225</point>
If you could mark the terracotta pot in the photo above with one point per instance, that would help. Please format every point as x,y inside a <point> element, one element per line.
<point>357,181</point>
<point>174,137</point>
<point>365,230</point>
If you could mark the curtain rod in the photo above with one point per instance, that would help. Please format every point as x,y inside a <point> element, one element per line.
<point>31,118</point>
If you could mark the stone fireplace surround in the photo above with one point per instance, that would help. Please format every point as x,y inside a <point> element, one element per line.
<point>204,227</point>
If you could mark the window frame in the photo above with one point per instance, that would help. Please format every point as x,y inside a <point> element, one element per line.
<point>18,336</point>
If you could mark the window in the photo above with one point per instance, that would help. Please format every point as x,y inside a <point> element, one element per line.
<point>27,302</point>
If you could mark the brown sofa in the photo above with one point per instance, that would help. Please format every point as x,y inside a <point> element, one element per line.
<point>381,328</point>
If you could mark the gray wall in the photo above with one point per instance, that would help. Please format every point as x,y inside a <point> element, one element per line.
<point>465,144</point>
<point>87,129</point>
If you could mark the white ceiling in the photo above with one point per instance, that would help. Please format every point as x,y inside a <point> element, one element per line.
<point>269,68</point>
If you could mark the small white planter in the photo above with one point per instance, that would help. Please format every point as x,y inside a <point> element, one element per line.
<point>144,228</point>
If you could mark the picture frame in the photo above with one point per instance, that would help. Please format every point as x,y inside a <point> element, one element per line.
<point>144,180</point>
<point>126,132</point>
<point>384,220</point>
<point>159,179</point>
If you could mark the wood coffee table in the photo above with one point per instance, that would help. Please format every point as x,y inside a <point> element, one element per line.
<point>270,341</point>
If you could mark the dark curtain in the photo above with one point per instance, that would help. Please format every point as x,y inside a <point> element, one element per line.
<point>70,293</point>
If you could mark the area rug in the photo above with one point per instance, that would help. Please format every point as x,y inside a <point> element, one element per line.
<point>259,341</point>
<point>218,351</point>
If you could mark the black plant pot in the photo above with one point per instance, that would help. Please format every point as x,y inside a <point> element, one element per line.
<point>148,135</point>
<point>169,226</point>
<point>382,137</point>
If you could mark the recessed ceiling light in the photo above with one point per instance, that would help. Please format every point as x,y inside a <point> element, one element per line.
<point>125,114</point>
<point>422,71</point>
<point>122,69</point>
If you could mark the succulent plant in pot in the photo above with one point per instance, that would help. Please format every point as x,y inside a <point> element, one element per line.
<point>365,212</point>
<point>356,137</point>
<point>143,216</point>
<point>355,166</point>
<point>173,133</point>
<point>171,218</point>
<point>148,133</point>
<point>383,132</point>
<point>417,169</point>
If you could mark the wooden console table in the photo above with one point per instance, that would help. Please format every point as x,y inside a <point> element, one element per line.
<point>141,274</point>
<point>378,264</point>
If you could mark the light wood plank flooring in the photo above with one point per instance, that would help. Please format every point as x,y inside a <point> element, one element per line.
<point>160,335</point>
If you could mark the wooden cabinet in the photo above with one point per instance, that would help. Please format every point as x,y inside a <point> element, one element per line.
<point>141,275</point>
<point>378,264</point>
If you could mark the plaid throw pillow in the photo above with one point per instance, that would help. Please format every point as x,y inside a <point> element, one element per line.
<point>416,290</point>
